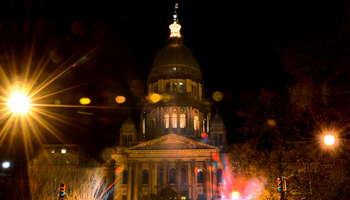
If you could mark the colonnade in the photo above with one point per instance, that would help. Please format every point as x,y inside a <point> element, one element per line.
<point>191,187</point>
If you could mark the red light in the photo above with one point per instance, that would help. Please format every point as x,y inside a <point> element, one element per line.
<point>215,156</point>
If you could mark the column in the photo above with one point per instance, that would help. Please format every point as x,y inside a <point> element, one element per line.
<point>129,180</point>
<point>194,181</point>
<point>150,172</point>
<point>215,182</point>
<point>165,172</point>
<point>136,180</point>
<point>209,180</point>
<point>155,178</point>
<point>161,118</point>
<point>118,182</point>
<point>178,119</point>
<point>189,179</point>
<point>178,174</point>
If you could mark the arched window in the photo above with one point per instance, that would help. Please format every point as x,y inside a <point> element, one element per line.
<point>125,177</point>
<point>195,123</point>
<point>167,87</point>
<point>145,177</point>
<point>183,175</point>
<point>166,120</point>
<point>160,175</point>
<point>174,120</point>
<point>182,121</point>
<point>200,176</point>
<point>219,176</point>
<point>194,90</point>
<point>174,87</point>
<point>172,176</point>
<point>181,87</point>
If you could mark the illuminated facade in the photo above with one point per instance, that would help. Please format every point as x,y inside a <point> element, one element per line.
<point>179,142</point>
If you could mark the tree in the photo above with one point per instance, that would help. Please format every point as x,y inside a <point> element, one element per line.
<point>84,178</point>
<point>317,59</point>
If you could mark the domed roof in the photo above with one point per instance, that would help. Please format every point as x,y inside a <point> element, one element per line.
<point>175,60</point>
<point>217,122</point>
<point>175,53</point>
<point>128,123</point>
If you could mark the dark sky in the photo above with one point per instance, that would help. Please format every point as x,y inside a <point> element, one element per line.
<point>234,43</point>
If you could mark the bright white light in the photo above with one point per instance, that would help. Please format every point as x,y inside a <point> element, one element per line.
<point>329,140</point>
<point>235,195</point>
<point>19,103</point>
<point>5,165</point>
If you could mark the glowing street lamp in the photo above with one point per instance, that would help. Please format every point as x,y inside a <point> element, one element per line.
<point>19,103</point>
<point>329,140</point>
<point>235,195</point>
<point>5,165</point>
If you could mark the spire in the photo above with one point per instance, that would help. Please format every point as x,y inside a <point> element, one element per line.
<point>175,27</point>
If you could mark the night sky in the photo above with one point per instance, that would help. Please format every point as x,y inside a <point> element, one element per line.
<point>234,43</point>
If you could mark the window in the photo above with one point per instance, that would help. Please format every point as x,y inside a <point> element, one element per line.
<point>166,120</point>
<point>183,175</point>
<point>219,176</point>
<point>155,88</point>
<point>172,175</point>
<point>200,176</point>
<point>174,87</point>
<point>129,140</point>
<point>194,89</point>
<point>220,139</point>
<point>174,120</point>
<point>145,177</point>
<point>125,139</point>
<point>181,87</point>
<point>125,177</point>
<point>182,121</point>
<point>195,123</point>
<point>64,150</point>
<point>167,87</point>
<point>160,175</point>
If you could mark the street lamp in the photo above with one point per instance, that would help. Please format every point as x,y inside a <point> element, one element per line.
<point>329,140</point>
<point>19,103</point>
<point>5,165</point>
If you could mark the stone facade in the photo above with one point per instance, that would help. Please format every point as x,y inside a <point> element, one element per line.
<point>176,144</point>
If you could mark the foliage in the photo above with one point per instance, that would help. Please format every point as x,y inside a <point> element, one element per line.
<point>317,59</point>
<point>274,147</point>
<point>84,178</point>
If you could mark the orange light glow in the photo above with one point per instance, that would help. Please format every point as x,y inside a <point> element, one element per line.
<point>85,101</point>
<point>19,103</point>
<point>235,195</point>
<point>218,96</point>
<point>120,99</point>
<point>154,98</point>
<point>175,30</point>
<point>329,140</point>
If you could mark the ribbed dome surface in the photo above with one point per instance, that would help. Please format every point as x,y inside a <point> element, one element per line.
<point>175,55</point>
<point>128,123</point>
<point>217,122</point>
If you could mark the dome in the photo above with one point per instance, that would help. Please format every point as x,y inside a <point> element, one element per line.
<point>217,122</point>
<point>175,60</point>
<point>128,123</point>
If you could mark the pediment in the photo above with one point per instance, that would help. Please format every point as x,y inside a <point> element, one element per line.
<point>171,142</point>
